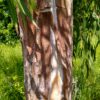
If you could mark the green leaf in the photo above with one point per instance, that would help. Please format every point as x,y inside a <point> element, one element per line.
<point>94,41</point>
<point>12,10</point>
<point>21,4</point>
<point>32,5</point>
<point>24,9</point>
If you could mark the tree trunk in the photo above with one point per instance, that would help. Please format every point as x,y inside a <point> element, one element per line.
<point>47,51</point>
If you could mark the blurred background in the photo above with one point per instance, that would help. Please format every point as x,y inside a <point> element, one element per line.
<point>86,53</point>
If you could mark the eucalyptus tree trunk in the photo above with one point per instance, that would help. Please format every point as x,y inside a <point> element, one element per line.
<point>47,50</point>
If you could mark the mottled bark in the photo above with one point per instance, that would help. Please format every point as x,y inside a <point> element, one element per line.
<point>47,51</point>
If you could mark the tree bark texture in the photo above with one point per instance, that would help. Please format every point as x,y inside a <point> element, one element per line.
<point>47,51</point>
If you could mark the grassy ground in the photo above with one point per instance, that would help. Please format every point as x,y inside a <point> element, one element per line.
<point>11,73</point>
<point>11,76</point>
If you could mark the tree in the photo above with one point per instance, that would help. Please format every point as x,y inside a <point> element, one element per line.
<point>45,30</point>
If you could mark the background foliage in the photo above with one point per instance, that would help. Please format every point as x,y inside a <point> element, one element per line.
<point>86,53</point>
<point>11,66</point>
<point>7,31</point>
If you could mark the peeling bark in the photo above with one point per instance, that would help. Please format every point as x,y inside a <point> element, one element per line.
<point>47,51</point>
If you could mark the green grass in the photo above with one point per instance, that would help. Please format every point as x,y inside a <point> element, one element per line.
<point>12,80</point>
<point>11,73</point>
